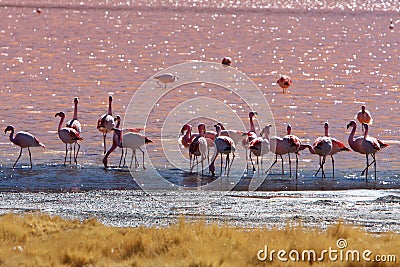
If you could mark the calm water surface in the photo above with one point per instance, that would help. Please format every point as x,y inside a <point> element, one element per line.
<point>340,56</point>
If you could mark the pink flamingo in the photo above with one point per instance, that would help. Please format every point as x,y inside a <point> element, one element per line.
<point>284,82</point>
<point>187,136</point>
<point>322,147</point>
<point>74,123</point>
<point>366,144</point>
<point>364,117</point>
<point>106,122</point>
<point>251,134</point>
<point>23,140</point>
<point>259,147</point>
<point>198,147</point>
<point>224,145</point>
<point>337,146</point>
<point>226,61</point>
<point>286,145</point>
<point>68,136</point>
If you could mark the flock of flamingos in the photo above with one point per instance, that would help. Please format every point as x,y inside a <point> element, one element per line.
<point>223,140</point>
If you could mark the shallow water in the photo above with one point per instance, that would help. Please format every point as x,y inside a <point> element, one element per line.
<point>340,55</point>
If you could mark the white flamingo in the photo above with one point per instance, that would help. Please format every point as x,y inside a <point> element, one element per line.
<point>259,147</point>
<point>68,136</point>
<point>23,140</point>
<point>106,122</point>
<point>224,145</point>
<point>366,145</point>
<point>133,141</point>
<point>165,78</point>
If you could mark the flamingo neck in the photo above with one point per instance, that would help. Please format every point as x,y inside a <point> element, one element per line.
<point>252,128</point>
<point>61,123</point>
<point>76,111</point>
<point>109,107</point>
<point>188,132</point>
<point>12,135</point>
<point>326,131</point>
<point>351,136</point>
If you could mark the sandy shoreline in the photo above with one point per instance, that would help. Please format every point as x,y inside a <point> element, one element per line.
<point>374,210</point>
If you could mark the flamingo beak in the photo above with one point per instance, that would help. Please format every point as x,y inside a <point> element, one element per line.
<point>348,126</point>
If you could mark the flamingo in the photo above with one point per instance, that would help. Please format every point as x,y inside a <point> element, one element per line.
<point>322,147</point>
<point>74,123</point>
<point>251,134</point>
<point>187,136</point>
<point>23,140</point>
<point>236,135</point>
<point>364,117</point>
<point>117,141</point>
<point>166,78</point>
<point>106,123</point>
<point>224,145</point>
<point>366,144</point>
<point>285,145</point>
<point>337,146</point>
<point>284,82</point>
<point>198,147</point>
<point>226,61</point>
<point>68,136</point>
<point>259,147</point>
<point>132,140</point>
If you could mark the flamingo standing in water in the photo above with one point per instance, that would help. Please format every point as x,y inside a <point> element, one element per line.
<point>23,140</point>
<point>322,147</point>
<point>117,142</point>
<point>366,144</point>
<point>68,136</point>
<point>337,146</point>
<point>364,117</point>
<point>198,147</point>
<point>286,145</point>
<point>224,145</point>
<point>165,78</point>
<point>259,147</point>
<point>106,122</point>
<point>251,135</point>
<point>284,82</point>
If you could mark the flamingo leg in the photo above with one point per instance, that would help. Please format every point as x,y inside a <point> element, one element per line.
<point>333,167</point>
<point>252,163</point>
<point>366,168</point>
<point>233,158</point>
<point>104,142</point>
<point>20,153</point>
<point>142,158</point>
<point>373,156</point>
<point>76,156</point>
<point>66,153</point>
<point>30,157</point>
<point>290,166</point>
<point>126,153</point>
<point>322,167</point>
<point>70,153</point>
<point>276,160</point>
<point>120,159</point>
<point>130,165</point>
<point>297,166</point>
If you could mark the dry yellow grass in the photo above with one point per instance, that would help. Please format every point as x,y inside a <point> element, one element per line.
<point>43,240</point>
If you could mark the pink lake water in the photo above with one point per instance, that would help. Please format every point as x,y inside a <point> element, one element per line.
<point>339,54</point>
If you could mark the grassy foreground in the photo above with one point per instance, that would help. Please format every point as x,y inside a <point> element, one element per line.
<point>43,240</point>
